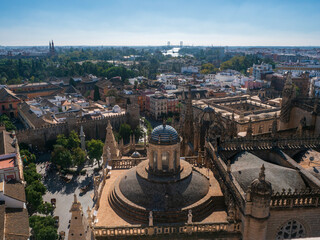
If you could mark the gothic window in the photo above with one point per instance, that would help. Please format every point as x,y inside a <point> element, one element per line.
<point>165,160</point>
<point>155,160</point>
<point>292,229</point>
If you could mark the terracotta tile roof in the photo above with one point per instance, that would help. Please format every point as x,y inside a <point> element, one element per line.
<point>15,189</point>
<point>16,224</point>
<point>6,143</point>
<point>24,108</point>
<point>7,95</point>
<point>7,163</point>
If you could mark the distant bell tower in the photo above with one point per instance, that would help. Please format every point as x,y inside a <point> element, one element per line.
<point>51,48</point>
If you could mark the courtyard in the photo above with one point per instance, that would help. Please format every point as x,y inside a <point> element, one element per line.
<point>64,191</point>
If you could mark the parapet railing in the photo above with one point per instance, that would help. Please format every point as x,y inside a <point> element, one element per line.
<point>289,199</point>
<point>126,163</point>
<point>138,230</point>
<point>267,143</point>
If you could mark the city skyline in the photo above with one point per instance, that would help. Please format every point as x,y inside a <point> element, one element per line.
<point>141,23</point>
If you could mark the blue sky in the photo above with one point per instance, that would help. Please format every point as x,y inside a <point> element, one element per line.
<point>154,22</point>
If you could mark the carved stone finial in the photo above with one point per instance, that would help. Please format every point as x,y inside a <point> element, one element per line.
<point>150,219</point>
<point>262,175</point>
<point>75,198</point>
<point>229,167</point>
<point>189,216</point>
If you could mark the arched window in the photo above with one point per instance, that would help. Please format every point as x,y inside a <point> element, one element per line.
<point>165,161</point>
<point>292,229</point>
<point>155,160</point>
<point>175,156</point>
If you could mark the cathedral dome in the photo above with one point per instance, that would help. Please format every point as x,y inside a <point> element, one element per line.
<point>164,134</point>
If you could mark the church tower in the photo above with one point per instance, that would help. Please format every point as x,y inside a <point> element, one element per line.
<point>79,227</point>
<point>288,94</point>
<point>188,128</point>
<point>133,111</point>
<point>51,48</point>
<point>257,208</point>
<point>112,144</point>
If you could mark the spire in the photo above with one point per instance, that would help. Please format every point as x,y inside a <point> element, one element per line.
<point>262,175</point>
<point>75,200</point>
<point>111,143</point>
<point>289,79</point>
<point>109,125</point>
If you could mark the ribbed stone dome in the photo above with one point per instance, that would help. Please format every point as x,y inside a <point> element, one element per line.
<point>163,196</point>
<point>164,134</point>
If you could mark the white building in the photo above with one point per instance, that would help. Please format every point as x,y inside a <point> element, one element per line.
<point>258,70</point>
<point>190,69</point>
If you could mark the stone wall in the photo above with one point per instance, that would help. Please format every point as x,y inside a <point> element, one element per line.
<point>295,116</point>
<point>92,129</point>
<point>308,217</point>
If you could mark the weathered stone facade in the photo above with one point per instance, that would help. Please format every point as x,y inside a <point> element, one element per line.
<point>38,137</point>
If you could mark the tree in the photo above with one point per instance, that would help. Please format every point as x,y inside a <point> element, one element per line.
<point>96,94</point>
<point>43,228</point>
<point>125,132</point>
<point>27,157</point>
<point>61,156</point>
<point>4,119</point>
<point>34,199</point>
<point>62,140</point>
<point>73,140</point>
<point>37,186</point>
<point>138,133</point>
<point>95,149</point>
<point>45,208</point>
<point>79,156</point>
<point>207,68</point>
<point>30,173</point>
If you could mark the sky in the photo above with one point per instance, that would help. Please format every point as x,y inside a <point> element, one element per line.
<point>155,22</point>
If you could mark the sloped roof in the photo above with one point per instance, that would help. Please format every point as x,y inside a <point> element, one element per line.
<point>32,117</point>
<point>16,224</point>
<point>15,190</point>
<point>245,167</point>
<point>71,90</point>
<point>6,143</point>
<point>7,95</point>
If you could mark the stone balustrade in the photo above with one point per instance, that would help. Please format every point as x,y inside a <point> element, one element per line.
<point>126,163</point>
<point>289,199</point>
<point>139,230</point>
<point>268,143</point>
